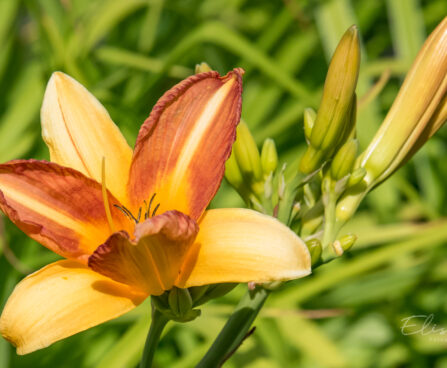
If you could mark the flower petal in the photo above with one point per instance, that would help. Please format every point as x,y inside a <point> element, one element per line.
<point>57,206</point>
<point>60,300</point>
<point>79,133</point>
<point>182,147</point>
<point>240,245</point>
<point>153,262</point>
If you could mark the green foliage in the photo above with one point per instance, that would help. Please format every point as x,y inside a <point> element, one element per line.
<point>348,314</point>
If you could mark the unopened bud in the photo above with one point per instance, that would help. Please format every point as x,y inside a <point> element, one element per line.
<point>247,154</point>
<point>202,68</point>
<point>336,103</point>
<point>418,111</point>
<point>233,173</point>
<point>347,241</point>
<point>269,157</point>
<point>420,98</point>
<point>180,301</point>
<point>344,159</point>
<point>315,250</point>
<point>309,120</point>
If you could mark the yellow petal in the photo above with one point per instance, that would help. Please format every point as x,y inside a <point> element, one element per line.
<point>79,133</point>
<point>240,245</point>
<point>61,300</point>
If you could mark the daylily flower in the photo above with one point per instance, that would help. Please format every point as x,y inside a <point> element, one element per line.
<point>129,224</point>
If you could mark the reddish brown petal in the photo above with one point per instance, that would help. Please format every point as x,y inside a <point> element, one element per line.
<point>153,262</point>
<point>182,147</point>
<point>57,206</point>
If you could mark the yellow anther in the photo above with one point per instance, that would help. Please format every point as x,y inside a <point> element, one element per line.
<point>105,197</point>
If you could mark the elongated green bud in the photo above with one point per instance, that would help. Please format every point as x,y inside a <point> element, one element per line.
<point>246,153</point>
<point>233,173</point>
<point>315,250</point>
<point>269,157</point>
<point>202,68</point>
<point>344,159</point>
<point>180,301</point>
<point>309,120</point>
<point>337,104</point>
<point>338,92</point>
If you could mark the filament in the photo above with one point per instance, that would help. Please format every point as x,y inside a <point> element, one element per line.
<point>105,197</point>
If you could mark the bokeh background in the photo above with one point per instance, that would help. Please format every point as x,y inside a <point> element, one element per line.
<point>349,313</point>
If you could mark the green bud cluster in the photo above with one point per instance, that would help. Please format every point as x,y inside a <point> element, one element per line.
<point>250,172</point>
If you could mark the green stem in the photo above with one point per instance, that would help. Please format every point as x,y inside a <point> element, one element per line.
<point>330,231</point>
<point>158,323</point>
<point>285,203</point>
<point>235,329</point>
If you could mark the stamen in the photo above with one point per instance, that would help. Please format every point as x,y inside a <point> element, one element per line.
<point>146,213</point>
<point>147,210</point>
<point>122,210</point>
<point>127,213</point>
<point>150,205</point>
<point>155,210</point>
<point>139,215</point>
<point>105,197</point>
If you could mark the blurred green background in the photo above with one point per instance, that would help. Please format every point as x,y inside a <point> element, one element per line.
<point>348,313</point>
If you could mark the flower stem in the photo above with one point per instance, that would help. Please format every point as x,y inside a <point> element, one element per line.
<point>158,323</point>
<point>235,329</point>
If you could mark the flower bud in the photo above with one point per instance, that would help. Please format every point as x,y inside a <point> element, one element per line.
<point>418,111</point>
<point>202,68</point>
<point>344,160</point>
<point>233,173</point>
<point>180,301</point>
<point>315,250</point>
<point>347,241</point>
<point>337,101</point>
<point>309,120</point>
<point>269,157</point>
<point>411,119</point>
<point>247,154</point>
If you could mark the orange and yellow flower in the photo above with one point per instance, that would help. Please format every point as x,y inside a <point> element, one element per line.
<point>133,224</point>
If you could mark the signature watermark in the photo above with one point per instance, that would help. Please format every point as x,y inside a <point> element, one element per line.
<point>424,325</point>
